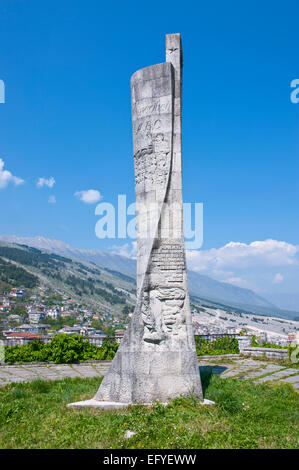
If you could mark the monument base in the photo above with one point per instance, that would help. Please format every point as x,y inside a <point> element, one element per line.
<point>110,405</point>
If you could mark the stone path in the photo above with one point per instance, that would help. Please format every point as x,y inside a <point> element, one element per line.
<point>250,369</point>
<point>244,369</point>
<point>28,372</point>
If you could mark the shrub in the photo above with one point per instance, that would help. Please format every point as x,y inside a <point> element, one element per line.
<point>61,349</point>
<point>224,345</point>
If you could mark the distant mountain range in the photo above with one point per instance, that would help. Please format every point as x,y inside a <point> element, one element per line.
<point>199,285</point>
<point>108,260</point>
<point>287,300</point>
<point>98,287</point>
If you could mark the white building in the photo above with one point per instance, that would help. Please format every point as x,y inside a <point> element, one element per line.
<point>54,313</point>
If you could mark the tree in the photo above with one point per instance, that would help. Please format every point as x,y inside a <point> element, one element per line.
<point>126,310</point>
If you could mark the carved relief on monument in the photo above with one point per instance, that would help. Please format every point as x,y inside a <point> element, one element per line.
<point>163,313</point>
<point>152,319</point>
<point>152,162</point>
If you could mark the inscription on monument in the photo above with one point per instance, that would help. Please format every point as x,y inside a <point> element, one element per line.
<point>158,107</point>
<point>169,257</point>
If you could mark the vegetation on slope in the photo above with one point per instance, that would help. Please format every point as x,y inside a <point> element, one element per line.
<point>91,284</point>
<point>12,275</point>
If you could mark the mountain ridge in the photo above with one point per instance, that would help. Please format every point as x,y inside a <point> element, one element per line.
<point>199,285</point>
<point>199,289</point>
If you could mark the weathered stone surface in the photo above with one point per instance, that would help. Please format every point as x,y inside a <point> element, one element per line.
<point>234,372</point>
<point>31,371</point>
<point>260,372</point>
<point>157,358</point>
<point>282,374</point>
<point>93,403</point>
<point>112,405</point>
<point>270,353</point>
<point>292,380</point>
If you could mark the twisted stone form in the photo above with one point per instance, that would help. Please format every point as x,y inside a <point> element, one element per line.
<point>157,359</point>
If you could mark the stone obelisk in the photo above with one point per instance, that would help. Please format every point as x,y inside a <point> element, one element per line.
<point>156,359</point>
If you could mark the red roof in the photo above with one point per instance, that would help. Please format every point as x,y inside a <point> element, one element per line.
<point>26,334</point>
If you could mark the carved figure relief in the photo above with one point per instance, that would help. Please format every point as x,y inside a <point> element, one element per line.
<point>152,162</point>
<point>163,313</point>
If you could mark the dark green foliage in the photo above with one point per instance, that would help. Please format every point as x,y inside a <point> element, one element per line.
<point>109,331</point>
<point>62,349</point>
<point>32,257</point>
<point>97,324</point>
<point>20,309</point>
<point>40,386</point>
<point>85,286</point>
<point>61,322</point>
<point>206,374</point>
<point>4,286</point>
<point>225,345</point>
<point>16,276</point>
<point>126,309</point>
<point>122,276</point>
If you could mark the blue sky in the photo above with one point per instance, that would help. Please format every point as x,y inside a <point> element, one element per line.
<point>67,65</point>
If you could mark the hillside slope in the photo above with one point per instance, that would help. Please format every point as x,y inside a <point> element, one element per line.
<point>100,288</point>
<point>101,258</point>
<point>110,290</point>
<point>199,285</point>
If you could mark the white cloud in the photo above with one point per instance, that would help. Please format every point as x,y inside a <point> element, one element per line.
<point>90,196</point>
<point>237,255</point>
<point>278,278</point>
<point>52,199</point>
<point>46,182</point>
<point>6,177</point>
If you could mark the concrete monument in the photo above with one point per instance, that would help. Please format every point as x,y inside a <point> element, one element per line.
<point>156,359</point>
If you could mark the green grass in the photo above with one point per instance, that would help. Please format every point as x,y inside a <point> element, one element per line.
<point>246,415</point>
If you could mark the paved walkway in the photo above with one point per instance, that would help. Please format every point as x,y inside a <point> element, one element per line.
<point>257,371</point>
<point>244,369</point>
<point>27,372</point>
